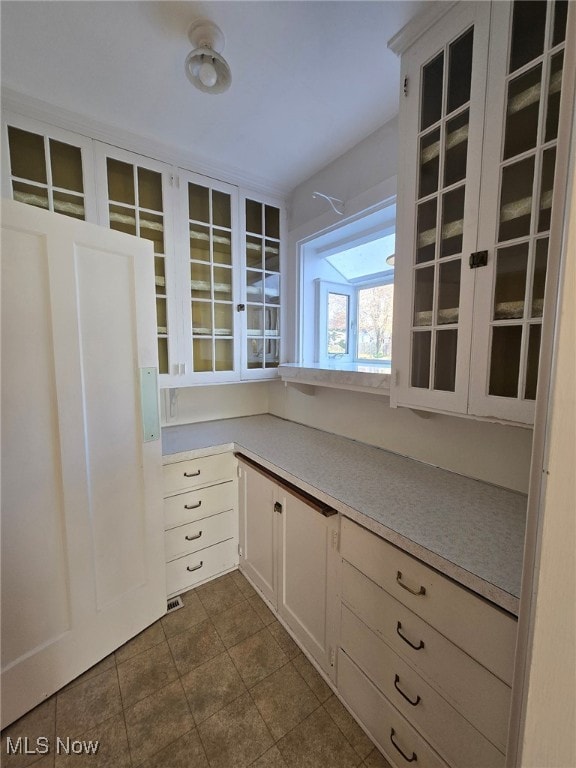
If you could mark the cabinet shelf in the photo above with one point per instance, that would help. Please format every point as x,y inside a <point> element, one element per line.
<point>123,218</point>
<point>454,138</point>
<point>533,94</point>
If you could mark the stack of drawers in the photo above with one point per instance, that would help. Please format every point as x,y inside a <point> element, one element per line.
<point>424,664</point>
<point>200,520</point>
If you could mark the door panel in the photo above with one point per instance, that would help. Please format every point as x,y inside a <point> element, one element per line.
<point>82,547</point>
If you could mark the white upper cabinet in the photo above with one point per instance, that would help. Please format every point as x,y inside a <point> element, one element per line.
<point>479,125</point>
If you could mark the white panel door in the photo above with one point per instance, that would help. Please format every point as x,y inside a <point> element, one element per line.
<point>82,539</point>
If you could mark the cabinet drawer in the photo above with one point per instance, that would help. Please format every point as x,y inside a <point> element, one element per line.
<point>453,736</point>
<point>195,473</point>
<point>475,692</point>
<point>201,534</point>
<point>196,505</point>
<point>479,628</point>
<point>397,739</point>
<point>186,572</point>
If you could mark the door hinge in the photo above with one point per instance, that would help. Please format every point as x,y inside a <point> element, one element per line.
<point>405,87</point>
<point>332,657</point>
<point>478,259</point>
<point>335,540</point>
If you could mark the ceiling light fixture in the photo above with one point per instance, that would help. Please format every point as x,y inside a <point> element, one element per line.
<point>205,68</point>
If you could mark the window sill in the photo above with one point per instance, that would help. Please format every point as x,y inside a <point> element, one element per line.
<point>357,377</point>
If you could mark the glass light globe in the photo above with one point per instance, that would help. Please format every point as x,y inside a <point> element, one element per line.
<point>207,74</point>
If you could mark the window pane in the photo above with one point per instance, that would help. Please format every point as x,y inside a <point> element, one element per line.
<point>272,317</point>
<point>29,194</point>
<point>254,252</point>
<point>201,318</point>
<point>426,235</point>
<point>254,286</point>
<point>452,222</point>
<point>271,353</point>
<point>429,163</point>
<point>220,209</point>
<point>423,296</point>
<point>199,243</point>
<point>522,112</point>
<point>152,228</point>
<point>150,189</point>
<point>69,205</point>
<point>449,292</point>
<point>122,219</point>
<point>445,366</point>
<point>421,359</point>
<point>532,362</point>
<point>375,322</point>
<point>456,149</point>
<point>221,246</point>
<point>272,289</point>
<point>432,78</point>
<point>510,290</point>
<point>66,164</point>
<point>198,203</point>
<point>27,157</point>
<point>272,221</point>
<point>222,319</point>
<point>460,70</point>
<point>272,256</point>
<point>224,355</point>
<point>554,87</point>
<point>546,188</point>
<point>539,283</point>
<point>254,217</point>
<point>120,181</point>
<point>337,323</point>
<point>222,283</point>
<point>254,321</point>
<point>516,199</point>
<point>505,360</point>
<point>560,17</point>
<point>202,354</point>
<point>528,27</point>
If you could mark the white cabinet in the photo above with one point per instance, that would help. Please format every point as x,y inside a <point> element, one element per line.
<point>479,127</point>
<point>200,520</point>
<point>423,663</point>
<point>288,551</point>
<point>82,559</point>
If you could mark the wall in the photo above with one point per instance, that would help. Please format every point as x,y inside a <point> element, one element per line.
<point>188,405</point>
<point>491,452</point>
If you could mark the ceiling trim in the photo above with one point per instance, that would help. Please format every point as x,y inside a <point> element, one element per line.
<point>38,109</point>
<point>420,24</point>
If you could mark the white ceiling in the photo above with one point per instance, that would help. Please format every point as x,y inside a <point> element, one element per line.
<point>309,78</point>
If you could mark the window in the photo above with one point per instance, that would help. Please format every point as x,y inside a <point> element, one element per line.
<point>347,294</point>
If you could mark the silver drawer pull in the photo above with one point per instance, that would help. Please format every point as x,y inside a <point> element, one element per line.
<point>421,591</point>
<point>408,759</point>
<point>193,538</point>
<point>193,506</point>
<point>191,474</point>
<point>195,567</point>
<point>399,632</point>
<point>401,692</point>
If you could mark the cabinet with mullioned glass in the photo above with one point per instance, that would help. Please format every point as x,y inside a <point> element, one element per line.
<point>479,135</point>
<point>49,168</point>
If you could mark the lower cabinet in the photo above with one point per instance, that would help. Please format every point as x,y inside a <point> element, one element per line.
<point>288,549</point>
<point>412,665</point>
<point>200,520</point>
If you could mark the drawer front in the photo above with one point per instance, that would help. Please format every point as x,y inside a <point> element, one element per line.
<point>185,572</point>
<point>484,631</point>
<point>195,505</point>
<point>197,472</point>
<point>448,732</point>
<point>401,744</point>
<point>476,693</point>
<point>201,534</point>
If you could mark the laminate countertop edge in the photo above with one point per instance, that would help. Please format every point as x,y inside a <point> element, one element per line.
<point>470,549</point>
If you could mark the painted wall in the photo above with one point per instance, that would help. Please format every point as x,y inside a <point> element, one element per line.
<point>188,405</point>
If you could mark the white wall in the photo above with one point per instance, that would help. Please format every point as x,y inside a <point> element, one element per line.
<point>188,405</point>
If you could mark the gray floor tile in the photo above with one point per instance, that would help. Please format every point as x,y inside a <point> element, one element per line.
<point>376,760</point>
<point>284,700</point>
<point>212,686</point>
<point>80,708</point>
<point>236,735</point>
<point>220,594</point>
<point>145,673</point>
<point>243,584</point>
<point>262,610</point>
<point>39,722</point>
<point>237,623</point>
<point>270,759</point>
<point>191,614</point>
<point>155,722</point>
<point>195,646</point>
<point>317,743</point>
<point>151,636</point>
<point>112,747</point>
<point>257,656</point>
<point>312,677</point>
<point>185,752</point>
<point>349,727</point>
<point>283,639</point>
<point>107,663</point>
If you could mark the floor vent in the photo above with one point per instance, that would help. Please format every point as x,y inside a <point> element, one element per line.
<point>174,603</point>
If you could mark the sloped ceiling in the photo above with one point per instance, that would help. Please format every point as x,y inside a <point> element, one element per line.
<point>310,79</point>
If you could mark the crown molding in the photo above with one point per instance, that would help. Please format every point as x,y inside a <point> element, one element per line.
<point>37,109</point>
<point>419,25</point>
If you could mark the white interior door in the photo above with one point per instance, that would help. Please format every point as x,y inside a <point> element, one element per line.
<point>82,540</point>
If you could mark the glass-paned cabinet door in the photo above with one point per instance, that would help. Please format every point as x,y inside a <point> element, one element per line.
<point>48,168</point>
<point>441,129</point>
<point>516,208</point>
<point>133,195</point>
<point>261,233</point>
<point>209,211</point>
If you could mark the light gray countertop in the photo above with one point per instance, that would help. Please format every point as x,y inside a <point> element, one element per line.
<point>469,530</point>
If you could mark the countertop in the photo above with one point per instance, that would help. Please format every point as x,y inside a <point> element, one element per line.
<point>471,531</point>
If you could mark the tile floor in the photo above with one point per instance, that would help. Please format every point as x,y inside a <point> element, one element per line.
<point>217,684</point>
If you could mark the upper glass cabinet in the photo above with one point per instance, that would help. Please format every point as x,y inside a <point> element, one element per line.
<point>48,169</point>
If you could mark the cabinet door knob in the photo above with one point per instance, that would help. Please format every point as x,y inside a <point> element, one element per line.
<point>192,474</point>
<point>193,538</point>
<point>421,591</point>
<point>195,567</point>
<point>408,759</point>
